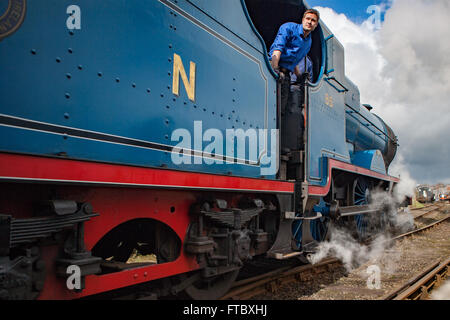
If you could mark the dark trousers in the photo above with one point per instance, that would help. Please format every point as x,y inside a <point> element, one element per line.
<point>292,119</point>
<point>285,91</point>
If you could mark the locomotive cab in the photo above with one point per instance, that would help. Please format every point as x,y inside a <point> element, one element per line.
<point>267,17</point>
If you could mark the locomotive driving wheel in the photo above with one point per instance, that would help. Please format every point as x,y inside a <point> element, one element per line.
<point>361,197</point>
<point>367,224</point>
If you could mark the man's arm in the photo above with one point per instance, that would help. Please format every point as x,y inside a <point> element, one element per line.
<point>279,44</point>
<point>297,72</point>
<point>276,59</point>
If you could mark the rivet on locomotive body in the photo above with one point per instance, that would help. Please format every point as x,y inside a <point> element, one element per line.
<point>70,50</point>
<point>100,74</point>
<point>117,80</point>
<point>80,67</point>
<point>66,115</point>
<point>68,75</point>
<point>148,90</point>
<point>67,95</point>
<point>33,51</point>
<point>133,85</point>
<point>58,60</point>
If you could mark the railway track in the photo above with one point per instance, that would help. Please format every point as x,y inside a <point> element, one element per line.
<point>269,282</point>
<point>421,212</point>
<point>420,287</point>
<point>420,229</point>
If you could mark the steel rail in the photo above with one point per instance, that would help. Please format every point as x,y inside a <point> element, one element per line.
<point>269,282</point>
<point>436,208</point>
<point>419,287</point>
<point>425,207</point>
<point>420,229</point>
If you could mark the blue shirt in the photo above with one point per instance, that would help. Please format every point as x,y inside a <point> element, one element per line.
<point>292,45</point>
<point>301,66</point>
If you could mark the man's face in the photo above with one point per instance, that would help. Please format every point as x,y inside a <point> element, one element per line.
<point>310,22</point>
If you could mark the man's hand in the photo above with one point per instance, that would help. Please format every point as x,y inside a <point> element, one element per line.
<point>302,78</point>
<point>279,73</point>
<point>274,63</point>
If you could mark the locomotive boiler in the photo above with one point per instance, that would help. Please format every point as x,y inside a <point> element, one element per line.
<point>153,129</point>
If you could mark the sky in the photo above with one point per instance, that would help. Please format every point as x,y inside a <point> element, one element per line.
<point>402,68</point>
<point>355,10</point>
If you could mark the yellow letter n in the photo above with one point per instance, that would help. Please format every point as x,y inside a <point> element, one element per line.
<point>178,69</point>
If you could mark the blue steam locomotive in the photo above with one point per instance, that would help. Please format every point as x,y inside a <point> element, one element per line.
<point>154,128</point>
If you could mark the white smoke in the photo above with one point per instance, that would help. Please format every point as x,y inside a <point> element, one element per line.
<point>388,203</point>
<point>348,250</point>
<point>442,293</point>
<point>407,184</point>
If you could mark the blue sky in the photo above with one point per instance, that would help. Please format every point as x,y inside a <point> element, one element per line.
<point>356,10</point>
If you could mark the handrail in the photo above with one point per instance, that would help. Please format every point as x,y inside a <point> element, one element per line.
<point>265,53</point>
<point>334,79</point>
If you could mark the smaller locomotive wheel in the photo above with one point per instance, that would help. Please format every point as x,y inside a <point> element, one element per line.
<point>319,229</point>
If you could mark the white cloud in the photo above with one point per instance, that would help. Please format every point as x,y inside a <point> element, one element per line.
<point>403,70</point>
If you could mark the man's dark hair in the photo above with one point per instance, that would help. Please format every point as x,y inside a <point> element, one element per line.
<point>313,11</point>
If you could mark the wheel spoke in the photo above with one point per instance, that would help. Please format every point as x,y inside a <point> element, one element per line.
<point>361,195</point>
